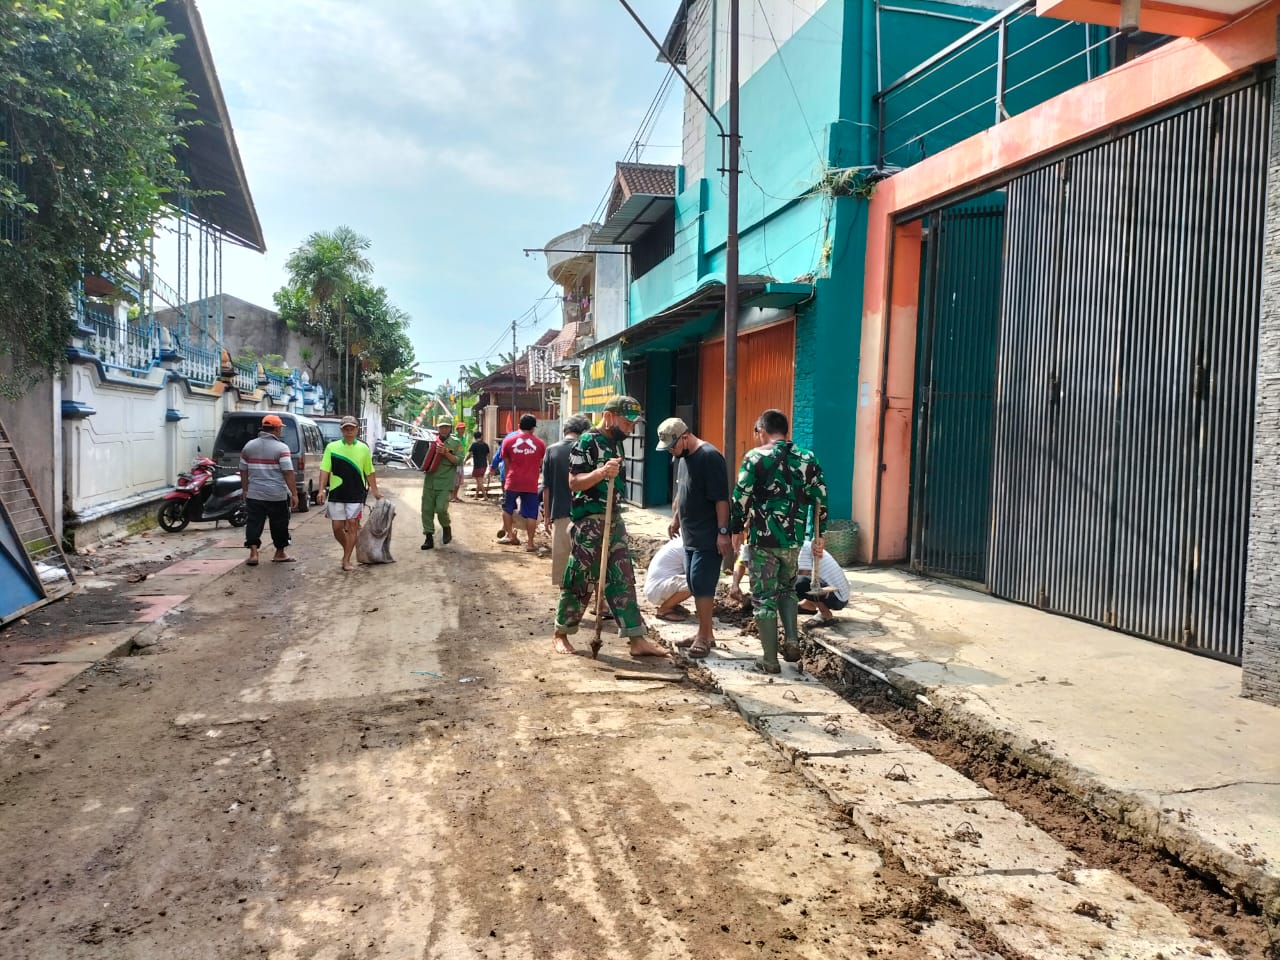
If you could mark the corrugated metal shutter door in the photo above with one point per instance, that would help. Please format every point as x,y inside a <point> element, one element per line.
<point>956,362</point>
<point>766,379</point>
<point>1126,376</point>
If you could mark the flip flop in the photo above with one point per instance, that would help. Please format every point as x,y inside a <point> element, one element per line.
<point>688,642</point>
<point>674,615</point>
<point>817,622</point>
<point>284,559</point>
<point>699,649</point>
<point>251,563</point>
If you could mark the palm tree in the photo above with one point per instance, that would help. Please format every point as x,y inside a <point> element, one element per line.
<point>326,266</point>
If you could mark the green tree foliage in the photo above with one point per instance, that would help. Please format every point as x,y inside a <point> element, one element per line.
<point>401,398</point>
<point>90,118</point>
<point>331,298</point>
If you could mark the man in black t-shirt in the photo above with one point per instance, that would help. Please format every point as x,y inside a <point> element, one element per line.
<point>479,454</point>
<point>700,516</point>
<point>556,495</point>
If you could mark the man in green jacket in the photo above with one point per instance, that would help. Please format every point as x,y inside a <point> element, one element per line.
<point>437,484</point>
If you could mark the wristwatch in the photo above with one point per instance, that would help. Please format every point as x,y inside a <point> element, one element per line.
<point>723,531</point>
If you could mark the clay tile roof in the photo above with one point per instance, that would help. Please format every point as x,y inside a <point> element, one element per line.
<point>651,179</point>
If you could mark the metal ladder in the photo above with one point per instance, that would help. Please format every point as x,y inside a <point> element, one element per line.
<point>20,509</point>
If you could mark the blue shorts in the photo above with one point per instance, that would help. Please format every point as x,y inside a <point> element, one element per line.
<point>702,570</point>
<point>528,504</point>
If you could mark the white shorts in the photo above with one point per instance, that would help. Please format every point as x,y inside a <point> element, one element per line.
<point>336,510</point>
<point>661,590</point>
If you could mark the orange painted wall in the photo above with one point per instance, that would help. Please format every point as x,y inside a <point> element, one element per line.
<point>1163,77</point>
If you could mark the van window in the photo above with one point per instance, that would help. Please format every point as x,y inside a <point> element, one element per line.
<point>237,431</point>
<point>315,443</point>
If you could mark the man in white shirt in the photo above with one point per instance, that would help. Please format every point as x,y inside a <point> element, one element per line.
<point>666,585</point>
<point>832,586</point>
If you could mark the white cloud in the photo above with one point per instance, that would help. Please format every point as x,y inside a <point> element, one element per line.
<point>451,132</point>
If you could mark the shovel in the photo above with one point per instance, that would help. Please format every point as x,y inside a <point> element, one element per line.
<point>818,593</point>
<point>605,543</point>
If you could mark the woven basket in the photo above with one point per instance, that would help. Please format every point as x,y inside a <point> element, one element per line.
<point>841,538</point>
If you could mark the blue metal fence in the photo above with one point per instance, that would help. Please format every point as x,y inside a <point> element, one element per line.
<point>121,345</point>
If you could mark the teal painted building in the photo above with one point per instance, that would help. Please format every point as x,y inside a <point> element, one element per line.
<point>812,149</point>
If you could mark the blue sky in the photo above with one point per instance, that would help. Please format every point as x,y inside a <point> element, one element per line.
<point>452,133</point>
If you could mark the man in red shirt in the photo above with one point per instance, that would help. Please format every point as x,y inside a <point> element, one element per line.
<point>522,454</point>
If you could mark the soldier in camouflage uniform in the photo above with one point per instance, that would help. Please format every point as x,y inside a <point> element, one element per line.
<point>595,473</point>
<point>777,486</point>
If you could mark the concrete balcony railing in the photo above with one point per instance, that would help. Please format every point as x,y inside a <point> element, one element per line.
<point>569,257</point>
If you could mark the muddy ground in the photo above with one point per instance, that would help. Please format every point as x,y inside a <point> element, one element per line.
<point>391,763</point>
<point>1208,910</point>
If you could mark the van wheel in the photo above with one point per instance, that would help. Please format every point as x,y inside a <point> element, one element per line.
<point>305,501</point>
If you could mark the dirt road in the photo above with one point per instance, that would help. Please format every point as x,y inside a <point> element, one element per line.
<point>389,763</point>
<point>392,763</point>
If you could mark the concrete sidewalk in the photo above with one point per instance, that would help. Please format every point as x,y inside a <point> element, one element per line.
<point>1155,738</point>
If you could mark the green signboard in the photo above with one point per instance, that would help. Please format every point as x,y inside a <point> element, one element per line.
<point>601,378</point>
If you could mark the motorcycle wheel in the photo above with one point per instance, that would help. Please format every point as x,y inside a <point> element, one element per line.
<point>239,516</point>
<point>172,516</point>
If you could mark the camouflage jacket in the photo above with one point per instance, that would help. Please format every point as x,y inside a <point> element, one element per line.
<point>777,485</point>
<point>592,449</point>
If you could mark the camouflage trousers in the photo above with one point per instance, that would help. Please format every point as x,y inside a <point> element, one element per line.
<point>773,575</point>
<point>582,571</point>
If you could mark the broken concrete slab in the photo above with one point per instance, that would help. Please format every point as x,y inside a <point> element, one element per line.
<point>817,736</point>
<point>1085,914</point>
<point>755,699</point>
<point>879,780</point>
<point>968,838</point>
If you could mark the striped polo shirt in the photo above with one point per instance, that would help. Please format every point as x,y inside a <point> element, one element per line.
<point>266,459</point>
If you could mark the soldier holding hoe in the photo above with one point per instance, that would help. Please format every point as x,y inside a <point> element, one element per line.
<point>595,475</point>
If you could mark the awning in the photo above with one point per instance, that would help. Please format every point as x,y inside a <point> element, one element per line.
<point>210,156</point>
<point>753,291</point>
<point>631,221</point>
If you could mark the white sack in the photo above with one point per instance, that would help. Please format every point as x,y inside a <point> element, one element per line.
<point>373,543</point>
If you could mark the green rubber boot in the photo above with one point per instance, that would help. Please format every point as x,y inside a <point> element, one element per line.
<point>769,643</point>
<point>788,613</point>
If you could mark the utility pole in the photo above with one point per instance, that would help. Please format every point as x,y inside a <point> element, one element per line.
<point>731,261</point>
<point>514,415</point>
<point>730,139</point>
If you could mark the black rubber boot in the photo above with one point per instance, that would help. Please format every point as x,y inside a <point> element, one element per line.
<point>429,541</point>
<point>446,534</point>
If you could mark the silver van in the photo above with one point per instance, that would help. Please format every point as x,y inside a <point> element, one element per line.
<point>300,433</point>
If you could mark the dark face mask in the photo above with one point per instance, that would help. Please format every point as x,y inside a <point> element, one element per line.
<point>616,434</point>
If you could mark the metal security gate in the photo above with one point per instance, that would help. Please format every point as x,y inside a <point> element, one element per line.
<point>955,374</point>
<point>1125,380</point>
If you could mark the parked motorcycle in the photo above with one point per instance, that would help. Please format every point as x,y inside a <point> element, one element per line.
<point>202,495</point>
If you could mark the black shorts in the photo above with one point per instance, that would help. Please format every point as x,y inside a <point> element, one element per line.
<point>803,586</point>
